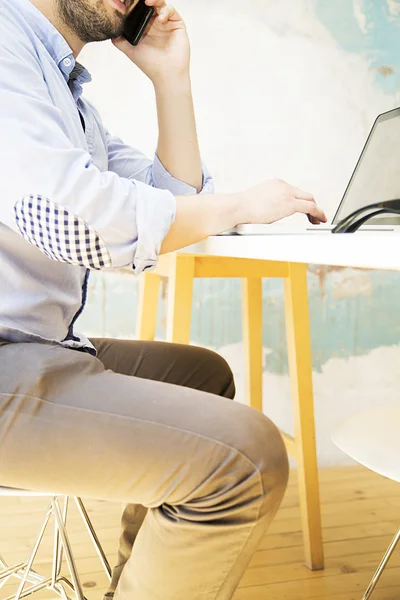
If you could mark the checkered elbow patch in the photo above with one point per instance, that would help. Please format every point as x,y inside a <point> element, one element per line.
<point>60,234</point>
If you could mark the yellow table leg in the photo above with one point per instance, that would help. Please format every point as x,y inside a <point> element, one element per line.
<point>180,299</point>
<point>180,271</point>
<point>300,367</point>
<point>252,339</point>
<point>149,287</point>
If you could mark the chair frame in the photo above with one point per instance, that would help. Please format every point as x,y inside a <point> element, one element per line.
<point>57,582</point>
<point>382,566</point>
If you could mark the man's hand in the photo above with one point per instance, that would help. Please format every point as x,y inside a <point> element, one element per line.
<point>197,217</point>
<point>164,52</point>
<point>274,200</point>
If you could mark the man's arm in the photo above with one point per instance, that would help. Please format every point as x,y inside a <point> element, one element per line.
<point>52,185</point>
<point>130,163</point>
<point>55,197</point>
<point>178,146</point>
<point>164,56</point>
<point>198,217</point>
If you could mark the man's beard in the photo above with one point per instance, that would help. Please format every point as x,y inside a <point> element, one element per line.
<point>90,23</point>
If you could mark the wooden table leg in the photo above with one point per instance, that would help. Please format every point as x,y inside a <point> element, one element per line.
<point>180,299</point>
<point>300,367</point>
<point>252,340</point>
<point>149,288</point>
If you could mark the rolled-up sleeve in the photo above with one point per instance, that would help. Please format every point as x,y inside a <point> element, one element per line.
<point>155,213</point>
<point>129,162</point>
<point>164,180</point>
<point>153,218</point>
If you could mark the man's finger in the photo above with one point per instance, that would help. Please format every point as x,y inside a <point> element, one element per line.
<point>157,4</point>
<point>308,207</point>
<point>169,13</point>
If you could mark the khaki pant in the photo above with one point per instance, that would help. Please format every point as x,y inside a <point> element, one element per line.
<point>151,425</point>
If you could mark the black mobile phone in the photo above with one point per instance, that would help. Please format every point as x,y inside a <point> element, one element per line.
<point>137,21</point>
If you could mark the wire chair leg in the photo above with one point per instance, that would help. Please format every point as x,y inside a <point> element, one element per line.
<point>68,550</point>
<point>58,588</point>
<point>58,547</point>
<point>31,590</point>
<point>61,543</point>
<point>94,538</point>
<point>18,571</point>
<point>33,554</point>
<point>67,582</point>
<point>381,567</point>
<point>56,552</point>
<point>9,572</point>
<point>3,563</point>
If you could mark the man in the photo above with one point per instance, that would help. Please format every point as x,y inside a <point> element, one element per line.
<point>148,424</point>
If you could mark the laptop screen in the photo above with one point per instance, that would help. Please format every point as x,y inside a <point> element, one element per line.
<point>377,174</point>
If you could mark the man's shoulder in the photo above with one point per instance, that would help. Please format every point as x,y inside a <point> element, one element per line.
<point>15,42</point>
<point>13,35</point>
<point>9,18</point>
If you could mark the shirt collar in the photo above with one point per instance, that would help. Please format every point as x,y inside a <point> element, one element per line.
<point>53,41</point>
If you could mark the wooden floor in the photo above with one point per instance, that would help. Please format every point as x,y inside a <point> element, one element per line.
<point>361,512</point>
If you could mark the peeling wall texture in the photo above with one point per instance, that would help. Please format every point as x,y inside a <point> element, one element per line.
<point>288,89</point>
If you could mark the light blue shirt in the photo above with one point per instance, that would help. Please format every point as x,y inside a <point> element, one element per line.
<point>70,200</point>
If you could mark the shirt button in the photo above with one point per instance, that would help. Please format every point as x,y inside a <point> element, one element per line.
<point>67,62</point>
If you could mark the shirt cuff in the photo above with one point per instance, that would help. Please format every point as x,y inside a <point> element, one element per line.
<point>164,180</point>
<point>155,213</point>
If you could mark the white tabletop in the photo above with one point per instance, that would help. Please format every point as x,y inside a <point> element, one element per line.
<point>378,250</point>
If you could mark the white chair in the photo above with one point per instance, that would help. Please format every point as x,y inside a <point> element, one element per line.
<point>57,582</point>
<point>372,439</point>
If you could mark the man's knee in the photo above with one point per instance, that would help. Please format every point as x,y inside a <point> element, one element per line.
<point>217,373</point>
<point>262,444</point>
<point>250,458</point>
<point>271,457</point>
<point>250,481</point>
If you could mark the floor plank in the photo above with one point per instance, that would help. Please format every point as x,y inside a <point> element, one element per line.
<point>360,511</point>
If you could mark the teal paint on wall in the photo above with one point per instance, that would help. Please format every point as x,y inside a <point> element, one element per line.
<point>370,28</point>
<point>340,327</point>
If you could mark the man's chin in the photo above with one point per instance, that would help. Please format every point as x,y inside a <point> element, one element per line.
<point>116,34</point>
<point>110,34</point>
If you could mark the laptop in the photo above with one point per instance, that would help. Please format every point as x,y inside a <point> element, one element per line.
<point>375,178</point>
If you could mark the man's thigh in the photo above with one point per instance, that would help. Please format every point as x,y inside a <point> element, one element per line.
<point>68,424</point>
<point>189,366</point>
